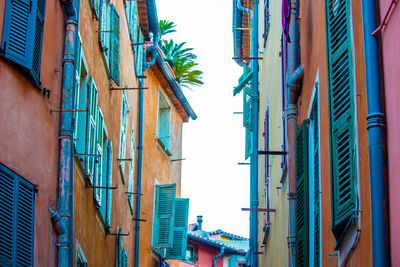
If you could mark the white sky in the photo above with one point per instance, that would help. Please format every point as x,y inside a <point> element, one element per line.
<point>213,144</point>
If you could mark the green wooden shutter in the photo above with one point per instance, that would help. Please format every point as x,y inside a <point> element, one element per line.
<point>104,26</point>
<point>23,33</point>
<point>109,184</point>
<point>178,250</point>
<point>341,110</point>
<point>123,133</point>
<point>247,107</point>
<point>114,45</point>
<point>99,152</point>
<point>103,181</point>
<point>163,219</point>
<point>140,56</point>
<point>77,81</point>
<point>302,198</point>
<point>131,11</point>
<point>248,144</point>
<point>91,129</point>
<point>123,259</point>
<point>81,119</point>
<point>131,171</point>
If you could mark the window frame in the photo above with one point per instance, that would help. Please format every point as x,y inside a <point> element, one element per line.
<point>164,128</point>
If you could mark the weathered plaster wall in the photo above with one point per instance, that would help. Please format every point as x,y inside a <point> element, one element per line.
<point>29,132</point>
<point>391,69</point>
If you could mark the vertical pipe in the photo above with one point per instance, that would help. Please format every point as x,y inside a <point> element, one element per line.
<point>65,171</point>
<point>376,126</point>
<point>214,264</point>
<point>254,154</point>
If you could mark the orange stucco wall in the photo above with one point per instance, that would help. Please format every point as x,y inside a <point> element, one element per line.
<point>29,132</point>
<point>313,57</point>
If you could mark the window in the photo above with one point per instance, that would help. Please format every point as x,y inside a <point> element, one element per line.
<point>191,255</point>
<point>106,181</point>
<point>163,123</point>
<point>341,115</point>
<point>22,34</point>
<point>131,172</point>
<point>170,222</point>
<point>100,159</point>
<point>109,38</point>
<point>17,218</point>
<point>267,185</point>
<point>132,19</point>
<point>267,20</point>
<point>284,108</point>
<point>123,133</point>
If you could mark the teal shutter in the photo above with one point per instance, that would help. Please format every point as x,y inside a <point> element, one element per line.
<point>123,133</point>
<point>178,250</point>
<point>302,198</point>
<point>118,249</point>
<point>81,119</point>
<point>124,259</point>
<point>131,171</point>
<point>114,46</point>
<point>248,144</point>
<point>164,214</point>
<point>131,11</point>
<point>109,184</point>
<point>77,82</point>
<point>104,26</point>
<point>341,111</point>
<point>23,33</point>
<point>91,129</point>
<point>139,56</point>
<point>247,108</point>
<point>103,182</point>
<point>96,7</point>
<point>99,152</point>
<point>17,217</point>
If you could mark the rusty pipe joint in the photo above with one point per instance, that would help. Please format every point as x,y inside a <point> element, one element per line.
<point>59,224</point>
<point>294,84</point>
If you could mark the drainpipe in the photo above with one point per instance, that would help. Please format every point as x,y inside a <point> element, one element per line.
<point>254,154</point>
<point>376,126</point>
<point>154,28</point>
<point>293,87</point>
<point>216,257</point>
<point>242,8</point>
<point>62,217</point>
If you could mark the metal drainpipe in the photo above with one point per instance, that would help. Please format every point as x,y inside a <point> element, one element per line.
<point>293,92</point>
<point>62,218</point>
<point>242,8</point>
<point>376,126</point>
<point>216,257</point>
<point>254,154</point>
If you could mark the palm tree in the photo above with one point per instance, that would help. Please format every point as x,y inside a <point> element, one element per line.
<point>181,59</point>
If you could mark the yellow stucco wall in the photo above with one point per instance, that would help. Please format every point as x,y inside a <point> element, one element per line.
<point>275,251</point>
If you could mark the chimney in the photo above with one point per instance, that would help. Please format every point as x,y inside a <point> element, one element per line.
<point>199,222</point>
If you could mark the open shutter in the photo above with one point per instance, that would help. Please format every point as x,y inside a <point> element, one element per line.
<point>123,133</point>
<point>96,7</point>
<point>99,152</point>
<point>139,56</point>
<point>131,170</point>
<point>114,43</point>
<point>178,250</point>
<point>104,27</point>
<point>77,81</point>
<point>91,129</point>
<point>341,110</point>
<point>131,11</point>
<point>37,42</point>
<point>249,144</point>
<point>109,184</point>
<point>302,198</point>
<point>164,215</point>
<point>247,108</point>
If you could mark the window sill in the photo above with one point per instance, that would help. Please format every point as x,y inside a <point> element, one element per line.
<point>161,145</point>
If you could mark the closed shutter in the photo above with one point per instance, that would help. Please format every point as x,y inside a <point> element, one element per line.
<point>164,214</point>
<point>114,46</point>
<point>124,259</point>
<point>96,7</point>
<point>248,144</point>
<point>123,133</point>
<point>341,110</point>
<point>131,171</point>
<point>131,11</point>
<point>17,217</point>
<point>103,181</point>
<point>91,129</point>
<point>302,198</point>
<point>77,82</point>
<point>178,250</point>
<point>139,56</point>
<point>109,184</point>
<point>247,108</point>
<point>99,152</point>
<point>23,33</point>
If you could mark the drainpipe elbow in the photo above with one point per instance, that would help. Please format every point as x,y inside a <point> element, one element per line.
<point>294,84</point>
<point>219,255</point>
<point>242,8</point>
<point>59,224</point>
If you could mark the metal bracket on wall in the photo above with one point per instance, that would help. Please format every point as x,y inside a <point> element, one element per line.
<point>178,159</point>
<point>124,159</point>
<point>140,220</point>
<point>270,152</point>
<point>68,110</point>
<point>120,234</point>
<point>259,210</point>
<point>127,88</point>
<point>133,193</point>
<point>244,163</point>
<point>102,187</point>
<point>141,77</point>
<point>248,58</point>
<point>86,155</point>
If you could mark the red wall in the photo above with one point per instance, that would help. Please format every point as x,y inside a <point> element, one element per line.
<point>206,254</point>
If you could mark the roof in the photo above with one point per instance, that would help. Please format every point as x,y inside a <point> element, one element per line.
<point>226,234</point>
<point>241,30</point>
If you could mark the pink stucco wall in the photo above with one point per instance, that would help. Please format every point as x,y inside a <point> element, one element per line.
<point>391,70</point>
<point>207,254</point>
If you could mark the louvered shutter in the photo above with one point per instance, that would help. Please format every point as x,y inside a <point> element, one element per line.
<point>341,110</point>
<point>96,7</point>
<point>17,217</point>
<point>124,259</point>
<point>23,33</point>
<point>178,250</point>
<point>139,56</point>
<point>302,198</point>
<point>91,129</point>
<point>164,215</point>
<point>247,107</point>
<point>131,170</point>
<point>77,80</point>
<point>118,248</point>
<point>99,152</point>
<point>103,181</point>
<point>109,184</point>
<point>123,133</point>
<point>248,144</point>
<point>104,26</point>
<point>131,11</point>
<point>81,120</point>
<point>114,45</point>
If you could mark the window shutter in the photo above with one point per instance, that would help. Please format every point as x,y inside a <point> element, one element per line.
<point>99,152</point>
<point>114,41</point>
<point>23,32</point>
<point>302,198</point>
<point>139,56</point>
<point>124,259</point>
<point>78,62</point>
<point>123,133</point>
<point>341,110</point>
<point>247,107</point>
<point>164,214</point>
<point>178,250</point>
<point>96,7</point>
<point>249,144</point>
<point>131,11</point>
<point>91,129</point>
<point>81,120</point>
<point>109,183</point>
<point>103,182</point>
<point>131,170</point>
<point>118,248</point>
<point>104,25</point>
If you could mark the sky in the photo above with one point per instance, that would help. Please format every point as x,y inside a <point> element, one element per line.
<point>213,144</point>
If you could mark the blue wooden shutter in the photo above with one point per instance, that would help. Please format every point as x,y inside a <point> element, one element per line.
<point>96,7</point>
<point>341,112</point>
<point>118,248</point>
<point>139,56</point>
<point>114,45</point>
<point>99,152</point>
<point>131,170</point>
<point>109,183</point>
<point>131,11</point>
<point>123,133</point>
<point>81,119</point>
<point>23,32</point>
<point>164,212</point>
<point>247,107</point>
<point>302,198</point>
<point>248,144</point>
<point>91,129</point>
<point>124,259</point>
<point>77,80</point>
<point>178,250</point>
<point>103,181</point>
<point>104,26</point>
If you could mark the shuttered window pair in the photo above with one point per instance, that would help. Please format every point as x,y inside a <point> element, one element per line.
<point>109,38</point>
<point>170,222</point>
<point>17,217</point>
<point>123,134</point>
<point>22,34</point>
<point>341,113</point>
